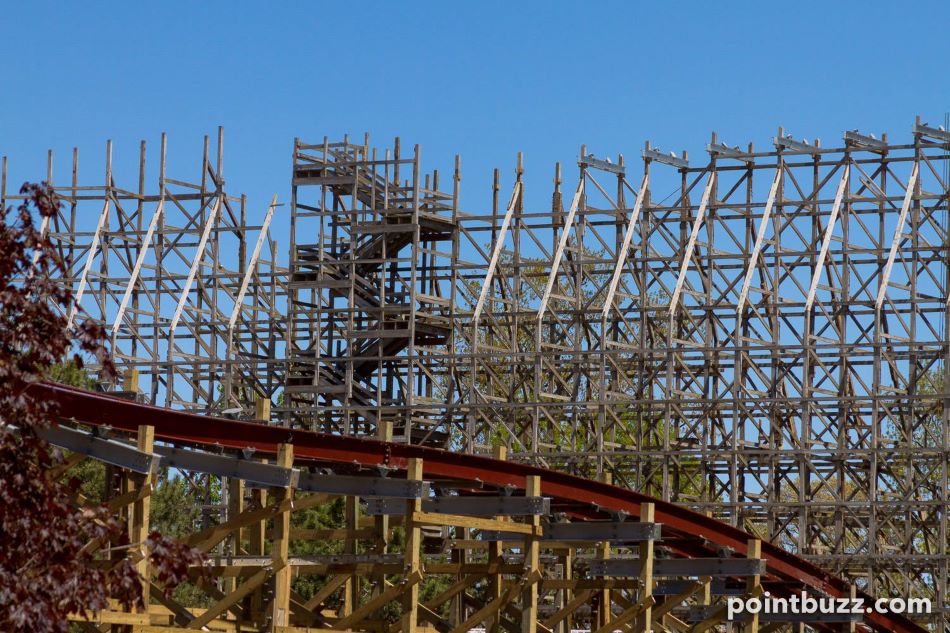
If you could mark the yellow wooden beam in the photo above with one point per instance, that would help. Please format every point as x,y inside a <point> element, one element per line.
<point>636,611</point>
<point>644,622</point>
<point>280,545</point>
<point>413,553</point>
<point>326,591</point>
<point>570,607</point>
<point>262,409</point>
<point>393,592</point>
<point>233,598</point>
<point>672,601</point>
<point>532,562</point>
<point>753,583</point>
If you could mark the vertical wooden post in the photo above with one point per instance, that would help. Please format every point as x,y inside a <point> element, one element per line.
<point>459,556</point>
<point>384,432</point>
<point>495,582</point>
<point>262,409</point>
<point>603,552</point>
<point>853,626</point>
<point>115,482</point>
<point>647,515</point>
<point>235,507</point>
<point>754,550</point>
<point>568,594</point>
<point>280,616</point>
<point>413,562</point>
<point>532,563</point>
<point>131,381</point>
<point>139,525</point>
<point>255,547</point>
<point>351,589</point>
<point>707,595</point>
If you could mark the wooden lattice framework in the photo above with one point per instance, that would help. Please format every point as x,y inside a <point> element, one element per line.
<point>767,343</point>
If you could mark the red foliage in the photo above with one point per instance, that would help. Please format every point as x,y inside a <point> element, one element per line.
<point>47,568</point>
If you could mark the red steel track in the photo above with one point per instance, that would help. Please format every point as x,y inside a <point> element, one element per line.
<point>690,533</point>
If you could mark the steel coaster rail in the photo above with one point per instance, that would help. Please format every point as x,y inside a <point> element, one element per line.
<point>588,498</point>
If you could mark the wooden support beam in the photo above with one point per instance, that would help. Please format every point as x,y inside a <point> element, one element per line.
<point>130,497</point>
<point>235,508</point>
<point>131,381</point>
<point>280,613</point>
<point>625,246</point>
<point>672,602</point>
<point>433,618</point>
<point>567,594</point>
<point>70,462</point>
<point>381,523</point>
<point>327,590</point>
<point>413,556</point>
<point>493,607</point>
<point>532,551</point>
<point>759,240</point>
<point>496,252</point>
<point>391,593</point>
<point>826,241</point>
<point>604,598</point>
<point>561,245</point>
<point>636,612</point>
<point>569,607</point>
<point>207,539</point>
<point>691,244</point>
<point>645,619</point>
<point>496,587</point>
<point>753,583</point>
<point>262,409</point>
<point>256,531</point>
<point>235,596</point>
<point>351,591</point>
<point>898,237</point>
<point>179,613</point>
<point>718,615</point>
<point>853,592</point>
<point>141,510</point>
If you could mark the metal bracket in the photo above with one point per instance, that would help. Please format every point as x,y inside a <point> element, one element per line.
<point>468,506</point>
<point>666,159</point>
<point>603,531</point>
<point>603,165</point>
<point>939,134</point>
<point>788,143</point>
<point>856,139</point>
<point>363,486</point>
<point>228,466</point>
<point>724,151</point>
<point>679,567</point>
<point>717,587</point>
<point>109,451</point>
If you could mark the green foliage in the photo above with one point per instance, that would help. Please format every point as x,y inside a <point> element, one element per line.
<point>176,506</point>
<point>71,373</point>
<point>176,513</point>
<point>324,516</point>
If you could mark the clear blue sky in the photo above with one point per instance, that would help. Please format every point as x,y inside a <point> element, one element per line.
<point>482,79</point>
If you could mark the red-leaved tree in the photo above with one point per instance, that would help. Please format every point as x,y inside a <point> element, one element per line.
<point>46,569</point>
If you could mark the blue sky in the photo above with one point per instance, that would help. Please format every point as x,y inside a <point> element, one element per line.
<point>482,79</point>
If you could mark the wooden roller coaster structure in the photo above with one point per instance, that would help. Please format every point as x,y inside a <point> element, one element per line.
<point>767,344</point>
<point>525,549</point>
